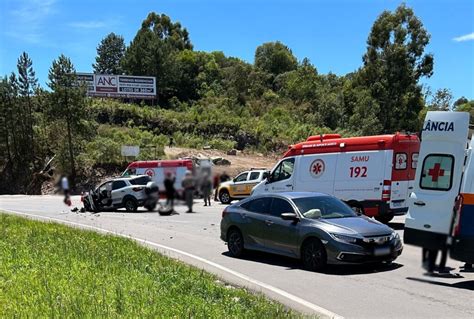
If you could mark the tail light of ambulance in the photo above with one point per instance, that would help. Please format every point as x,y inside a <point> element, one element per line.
<point>457,216</point>
<point>386,190</point>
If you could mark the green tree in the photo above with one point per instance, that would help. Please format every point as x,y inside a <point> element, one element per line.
<point>152,52</point>
<point>27,85</point>
<point>67,106</point>
<point>275,58</point>
<point>393,64</point>
<point>462,100</point>
<point>467,107</point>
<point>110,52</point>
<point>442,100</point>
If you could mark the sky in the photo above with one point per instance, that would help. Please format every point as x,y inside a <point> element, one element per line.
<point>332,34</point>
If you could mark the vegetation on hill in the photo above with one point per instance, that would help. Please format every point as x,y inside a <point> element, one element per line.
<point>207,98</point>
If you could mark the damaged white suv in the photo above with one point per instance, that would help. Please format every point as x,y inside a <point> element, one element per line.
<point>124,192</point>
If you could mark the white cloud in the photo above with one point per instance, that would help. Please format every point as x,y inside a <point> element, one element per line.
<point>87,24</point>
<point>466,37</point>
<point>30,17</point>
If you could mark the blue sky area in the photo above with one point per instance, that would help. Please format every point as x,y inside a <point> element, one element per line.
<point>332,34</point>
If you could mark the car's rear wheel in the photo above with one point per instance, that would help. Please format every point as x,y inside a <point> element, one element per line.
<point>224,197</point>
<point>130,205</point>
<point>235,243</point>
<point>313,255</point>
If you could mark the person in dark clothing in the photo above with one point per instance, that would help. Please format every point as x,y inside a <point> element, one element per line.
<point>188,185</point>
<point>429,259</point>
<point>206,189</point>
<point>171,142</point>
<point>169,189</point>
<point>224,177</point>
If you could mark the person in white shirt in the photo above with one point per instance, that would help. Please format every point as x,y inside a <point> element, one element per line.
<point>65,189</point>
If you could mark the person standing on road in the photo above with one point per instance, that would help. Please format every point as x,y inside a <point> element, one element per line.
<point>169,189</point>
<point>216,185</point>
<point>188,186</point>
<point>65,189</point>
<point>206,189</point>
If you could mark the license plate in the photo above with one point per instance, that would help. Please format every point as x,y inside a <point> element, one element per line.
<point>382,251</point>
<point>397,204</point>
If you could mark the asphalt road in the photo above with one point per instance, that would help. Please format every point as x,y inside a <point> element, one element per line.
<point>397,291</point>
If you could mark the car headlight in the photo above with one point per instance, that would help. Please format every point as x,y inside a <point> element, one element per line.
<point>394,235</point>
<point>345,238</point>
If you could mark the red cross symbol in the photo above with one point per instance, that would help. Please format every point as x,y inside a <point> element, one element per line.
<point>436,172</point>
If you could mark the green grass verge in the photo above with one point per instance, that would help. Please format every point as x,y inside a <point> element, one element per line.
<point>51,270</point>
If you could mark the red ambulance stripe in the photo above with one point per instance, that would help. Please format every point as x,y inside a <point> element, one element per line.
<point>468,199</point>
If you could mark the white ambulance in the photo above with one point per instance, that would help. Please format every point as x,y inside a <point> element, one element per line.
<point>446,172</point>
<point>373,174</point>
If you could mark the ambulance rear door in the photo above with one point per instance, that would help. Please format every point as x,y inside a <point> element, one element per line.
<point>437,180</point>
<point>462,248</point>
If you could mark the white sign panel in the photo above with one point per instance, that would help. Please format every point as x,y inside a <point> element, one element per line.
<point>127,86</point>
<point>128,150</point>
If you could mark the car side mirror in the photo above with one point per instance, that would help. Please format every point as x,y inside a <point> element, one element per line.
<point>290,216</point>
<point>269,179</point>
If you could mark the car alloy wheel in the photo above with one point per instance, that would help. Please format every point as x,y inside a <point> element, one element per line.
<point>225,197</point>
<point>314,255</point>
<point>235,243</point>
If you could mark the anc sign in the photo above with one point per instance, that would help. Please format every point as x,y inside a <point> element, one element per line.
<point>128,86</point>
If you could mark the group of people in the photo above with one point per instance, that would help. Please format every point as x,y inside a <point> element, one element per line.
<point>190,184</point>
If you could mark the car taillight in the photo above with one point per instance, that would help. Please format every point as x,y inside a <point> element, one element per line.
<point>457,216</point>
<point>137,189</point>
<point>386,190</point>
<point>224,212</point>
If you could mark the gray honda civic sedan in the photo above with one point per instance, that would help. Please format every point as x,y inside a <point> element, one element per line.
<point>317,228</point>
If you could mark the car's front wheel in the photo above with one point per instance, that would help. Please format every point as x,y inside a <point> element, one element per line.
<point>235,243</point>
<point>313,255</point>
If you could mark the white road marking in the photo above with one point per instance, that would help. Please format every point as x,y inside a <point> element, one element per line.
<point>317,309</point>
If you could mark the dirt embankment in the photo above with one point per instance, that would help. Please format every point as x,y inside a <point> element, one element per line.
<point>240,162</point>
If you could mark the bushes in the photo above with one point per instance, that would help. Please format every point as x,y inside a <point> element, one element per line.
<point>106,147</point>
<point>265,125</point>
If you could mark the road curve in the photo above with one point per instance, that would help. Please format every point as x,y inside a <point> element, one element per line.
<point>399,291</point>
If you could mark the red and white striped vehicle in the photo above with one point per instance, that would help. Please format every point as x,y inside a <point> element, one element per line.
<point>373,174</point>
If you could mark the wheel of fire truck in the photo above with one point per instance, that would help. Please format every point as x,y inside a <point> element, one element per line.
<point>224,196</point>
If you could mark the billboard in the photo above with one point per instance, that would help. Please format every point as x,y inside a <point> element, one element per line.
<point>126,86</point>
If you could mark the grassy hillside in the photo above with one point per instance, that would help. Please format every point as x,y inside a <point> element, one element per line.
<point>50,270</point>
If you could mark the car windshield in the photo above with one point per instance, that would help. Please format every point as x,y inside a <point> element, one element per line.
<point>323,207</point>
